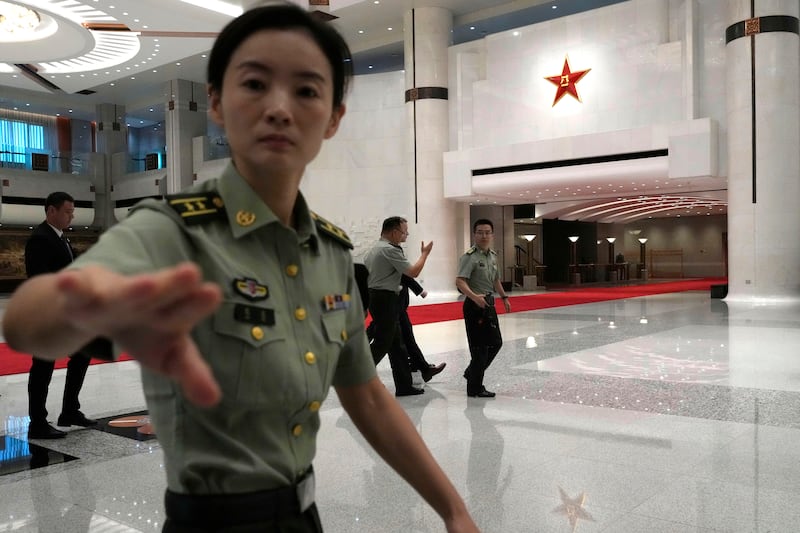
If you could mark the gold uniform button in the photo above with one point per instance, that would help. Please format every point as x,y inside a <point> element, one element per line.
<point>300,313</point>
<point>297,430</point>
<point>314,406</point>
<point>292,270</point>
<point>257,333</point>
<point>311,358</point>
<point>344,334</point>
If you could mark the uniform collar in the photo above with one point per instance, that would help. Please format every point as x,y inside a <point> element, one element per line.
<point>247,213</point>
<point>384,239</point>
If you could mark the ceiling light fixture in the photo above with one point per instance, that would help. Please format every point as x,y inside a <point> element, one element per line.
<point>16,19</point>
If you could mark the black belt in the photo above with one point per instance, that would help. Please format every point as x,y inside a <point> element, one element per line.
<point>210,510</point>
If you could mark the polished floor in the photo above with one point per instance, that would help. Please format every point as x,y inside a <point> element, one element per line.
<point>666,413</point>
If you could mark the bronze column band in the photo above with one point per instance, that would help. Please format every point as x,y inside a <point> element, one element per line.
<point>750,28</point>
<point>426,93</point>
<point>766,24</point>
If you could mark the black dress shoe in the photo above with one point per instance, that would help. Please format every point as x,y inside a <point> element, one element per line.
<point>482,394</point>
<point>75,419</point>
<point>413,391</point>
<point>44,431</point>
<point>432,370</point>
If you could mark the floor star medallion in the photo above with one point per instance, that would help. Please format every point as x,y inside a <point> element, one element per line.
<point>565,83</point>
<point>573,509</point>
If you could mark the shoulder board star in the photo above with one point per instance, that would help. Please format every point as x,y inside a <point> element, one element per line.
<point>198,207</point>
<point>330,230</point>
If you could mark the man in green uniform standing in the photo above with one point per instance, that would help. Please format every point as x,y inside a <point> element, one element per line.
<point>478,278</point>
<point>387,263</point>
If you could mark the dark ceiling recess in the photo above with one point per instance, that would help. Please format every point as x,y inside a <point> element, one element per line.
<point>86,92</point>
<point>321,15</point>
<point>31,72</point>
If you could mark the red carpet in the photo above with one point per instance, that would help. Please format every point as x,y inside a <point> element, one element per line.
<point>425,314</point>
<point>12,362</point>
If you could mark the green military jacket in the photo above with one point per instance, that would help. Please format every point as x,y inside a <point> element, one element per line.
<point>480,269</point>
<point>290,325</point>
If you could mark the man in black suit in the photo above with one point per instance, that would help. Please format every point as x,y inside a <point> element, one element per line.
<point>48,250</point>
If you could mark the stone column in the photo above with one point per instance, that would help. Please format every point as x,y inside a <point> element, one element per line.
<point>186,113</point>
<point>427,37</point>
<point>763,110</point>
<point>112,138</point>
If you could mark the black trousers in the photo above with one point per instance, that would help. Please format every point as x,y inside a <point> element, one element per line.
<point>485,341</point>
<point>246,513</point>
<point>39,377</point>
<point>416,359</point>
<point>384,308</point>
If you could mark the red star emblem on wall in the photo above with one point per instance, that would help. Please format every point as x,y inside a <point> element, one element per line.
<point>566,82</point>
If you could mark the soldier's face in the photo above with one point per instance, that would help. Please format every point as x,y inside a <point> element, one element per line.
<point>276,103</point>
<point>402,232</point>
<point>483,236</point>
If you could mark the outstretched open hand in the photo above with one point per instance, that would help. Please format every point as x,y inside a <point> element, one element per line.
<point>150,316</point>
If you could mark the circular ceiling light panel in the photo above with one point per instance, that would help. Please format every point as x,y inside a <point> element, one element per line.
<point>20,24</point>
<point>87,39</point>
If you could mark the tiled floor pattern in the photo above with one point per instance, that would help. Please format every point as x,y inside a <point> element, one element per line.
<point>667,413</point>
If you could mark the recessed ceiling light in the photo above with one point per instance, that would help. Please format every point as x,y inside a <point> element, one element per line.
<point>360,31</point>
<point>472,27</point>
<point>389,28</point>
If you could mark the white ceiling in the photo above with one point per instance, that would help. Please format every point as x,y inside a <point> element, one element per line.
<point>175,36</point>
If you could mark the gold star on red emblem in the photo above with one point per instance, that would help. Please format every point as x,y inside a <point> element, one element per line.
<point>566,81</point>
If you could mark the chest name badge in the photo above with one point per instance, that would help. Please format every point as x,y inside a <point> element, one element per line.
<point>253,315</point>
<point>333,302</point>
<point>251,289</point>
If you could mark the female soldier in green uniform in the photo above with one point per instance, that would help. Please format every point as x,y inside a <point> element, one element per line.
<point>239,302</point>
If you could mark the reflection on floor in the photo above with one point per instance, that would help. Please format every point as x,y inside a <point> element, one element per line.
<point>666,413</point>
<point>130,425</point>
<point>18,455</point>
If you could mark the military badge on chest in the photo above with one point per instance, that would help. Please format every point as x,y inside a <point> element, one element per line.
<point>251,289</point>
<point>332,302</point>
